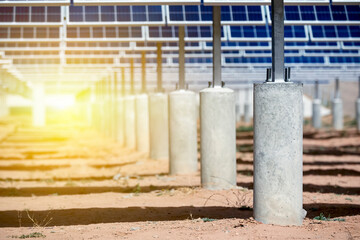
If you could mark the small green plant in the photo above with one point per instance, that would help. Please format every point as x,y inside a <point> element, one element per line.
<point>31,235</point>
<point>208,219</point>
<point>245,129</point>
<point>137,189</point>
<point>322,217</point>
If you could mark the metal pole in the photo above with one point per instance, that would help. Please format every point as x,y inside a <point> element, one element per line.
<point>277,41</point>
<point>132,89</point>
<point>216,46</point>
<point>359,86</point>
<point>159,67</point>
<point>317,90</point>
<point>123,92</point>
<point>143,72</point>
<point>337,92</point>
<point>181,57</point>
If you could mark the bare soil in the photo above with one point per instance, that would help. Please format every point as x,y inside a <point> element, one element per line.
<point>67,182</point>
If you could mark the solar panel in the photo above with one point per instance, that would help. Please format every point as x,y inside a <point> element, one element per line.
<point>192,33</point>
<point>345,2</point>
<point>135,2</point>
<point>202,15</point>
<point>34,2</point>
<point>105,33</point>
<point>263,33</point>
<point>27,15</point>
<point>314,15</point>
<point>264,2</point>
<point>116,15</point>
<point>335,33</point>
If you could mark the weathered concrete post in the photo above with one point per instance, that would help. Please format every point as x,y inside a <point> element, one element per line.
<point>247,116</point>
<point>337,108</point>
<point>316,107</point>
<point>142,113</point>
<point>278,129</point>
<point>217,120</point>
<point>39,108</point>
<point>358,110</point>
<point>158,115</point>
<point>129,105</point>
<point>182,121</point>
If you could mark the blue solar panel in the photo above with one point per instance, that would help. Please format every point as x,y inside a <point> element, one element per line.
<point>117,14</point>
<point>292,33</point>
<point>342,60</point>
<point>334,33</point>
<point>332,14</point>
<point>191,33</point>
<point>202,15</point>
<point>104,32</point>
<point>30,14</point>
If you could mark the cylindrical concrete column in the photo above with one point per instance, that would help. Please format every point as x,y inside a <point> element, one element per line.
<point>182,132</point>
<point>142,123</point>
<point>337,114</point>
<point>316,113</point>
<point>218,138</point>
<point>278,149</point>
<point>247,116</point>
<point>358,114</point>
<point>120,121</point>
<point>159,131</point>
<point>39,107</point>
<point>130,127</point>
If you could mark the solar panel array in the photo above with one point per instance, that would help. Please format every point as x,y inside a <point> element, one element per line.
<point>104,35</point>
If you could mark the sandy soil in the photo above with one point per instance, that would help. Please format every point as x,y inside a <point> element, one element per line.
<point>67,182</point>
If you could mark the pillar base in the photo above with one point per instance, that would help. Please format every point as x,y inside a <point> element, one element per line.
<point>316,113</point>
<point>130,130</point>
<point>142,123</point>
<point>337,114</point>
<point>278,135</point>
<point>182,132</point>
<point>218,138</point>
<point>159,131</point>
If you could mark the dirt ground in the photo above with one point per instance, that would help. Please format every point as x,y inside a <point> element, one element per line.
<point>67,182</point>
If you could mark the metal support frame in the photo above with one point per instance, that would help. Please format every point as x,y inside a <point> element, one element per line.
<point>181,57</point>
<point>143,72</point>
<point>337,88</point>
<point>359,86</point>
<point>132,86</point>
<point>159,67</point>
<point>277,40</point>
<point>217,47</point>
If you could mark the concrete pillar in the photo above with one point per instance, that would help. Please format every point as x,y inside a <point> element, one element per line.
<point>337,113</point>
<point>158,123</point>
<point>358,114</point>
<point>316,113</point>
<point>142,123</point>
<point>218,138</point>
<point>130,127</point>
<point>120,111</point>
<point>183,132</point>
<point>358,110</point>
<point>337,108</point>
<point>278,129</point>
<point>39,108</point>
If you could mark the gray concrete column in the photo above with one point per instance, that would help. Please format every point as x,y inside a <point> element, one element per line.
<point>358,114</point>
<point>358,109</point>
<point>316,113</point>
<point>337,108</point>
<point>278,129</point>
<point>218,138</point>
<point>158,123</point>
<point>183,132</point>
<point>130,127</point>
<point>39,108</point>
<point>120,121</point>
<point>142,123</point>
<point>337,114</point>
